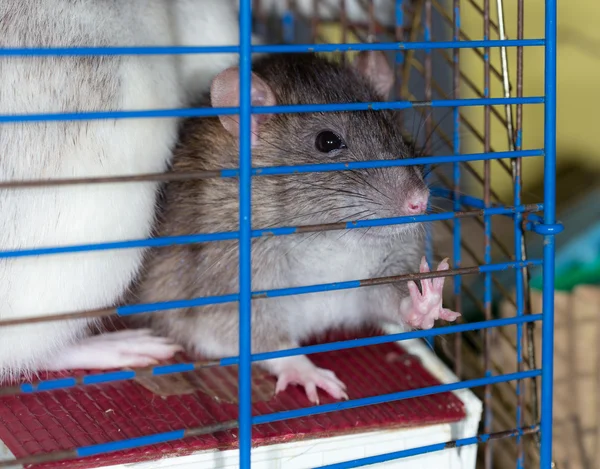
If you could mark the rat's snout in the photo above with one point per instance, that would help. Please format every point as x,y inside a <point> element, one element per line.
<point>416,203</point>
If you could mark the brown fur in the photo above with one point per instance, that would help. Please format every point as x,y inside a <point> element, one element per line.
<point>211,206</point>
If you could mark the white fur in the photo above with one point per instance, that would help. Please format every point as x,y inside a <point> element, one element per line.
<point>333,259</point>
<point>327,258</point>
<point>34,218</point>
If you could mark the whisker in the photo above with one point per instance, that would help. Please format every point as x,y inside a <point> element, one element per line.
<point>291,220</point>
<point>365,181</point>
<point>313,236</point>
<point>348,231</point>
<point>364,234</point>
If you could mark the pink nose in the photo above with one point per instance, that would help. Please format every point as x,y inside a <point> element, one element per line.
<point>416,204</point>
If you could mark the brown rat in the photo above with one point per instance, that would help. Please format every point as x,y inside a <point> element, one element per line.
<point>205,206</point>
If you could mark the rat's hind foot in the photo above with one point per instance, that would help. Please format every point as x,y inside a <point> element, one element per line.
<point>423,309</point>
<point>301,371</point>
<point>128,348</point>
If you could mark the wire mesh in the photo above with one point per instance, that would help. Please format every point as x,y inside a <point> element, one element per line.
<point>434,91</point>
<point>415,23</point>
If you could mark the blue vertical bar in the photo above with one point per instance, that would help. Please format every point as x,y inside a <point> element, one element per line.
<point>549,220</point>
<point>522,289</point>
<point>428,96</point>
<point>429,136</point>
<point>519,300</point>
<point>289,25</point>
<point>428,79</point>
<point>399,24</point>
<point>399,66</point>
<point>245,306</point>
<point>487,176</point>
<point>456,261</point>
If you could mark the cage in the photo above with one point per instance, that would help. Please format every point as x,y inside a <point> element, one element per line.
<point>459,86</point>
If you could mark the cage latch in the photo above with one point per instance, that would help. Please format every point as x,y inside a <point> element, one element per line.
<point>535,223</point>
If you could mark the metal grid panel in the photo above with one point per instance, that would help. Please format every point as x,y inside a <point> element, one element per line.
<point>415,30</point>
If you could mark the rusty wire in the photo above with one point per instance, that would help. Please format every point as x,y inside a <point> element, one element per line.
<point>417,13</point>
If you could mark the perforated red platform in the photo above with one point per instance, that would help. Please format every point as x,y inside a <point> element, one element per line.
<point>65,419</point>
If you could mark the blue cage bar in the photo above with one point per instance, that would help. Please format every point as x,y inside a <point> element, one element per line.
<point>546,226</point>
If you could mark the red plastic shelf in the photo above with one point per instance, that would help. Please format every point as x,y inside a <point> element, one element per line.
<point>32,424</point>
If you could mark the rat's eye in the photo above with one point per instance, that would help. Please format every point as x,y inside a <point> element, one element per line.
<point>327,141</point>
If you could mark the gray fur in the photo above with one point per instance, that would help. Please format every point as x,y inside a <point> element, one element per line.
<point>184,272</point>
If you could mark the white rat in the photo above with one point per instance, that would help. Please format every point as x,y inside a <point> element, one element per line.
<point>62,216</point>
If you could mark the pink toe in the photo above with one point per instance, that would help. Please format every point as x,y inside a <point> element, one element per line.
<point>311,393</point>
<point>414,291</point>
<point>427,324</point>
<point>415,320</point>
<point>438,284</point>
<point>142,362</point>
<point>449,315</point>
<point>335,391</point>
<point>424,267</point>
<point>282,384</point>
<point>426,286</point>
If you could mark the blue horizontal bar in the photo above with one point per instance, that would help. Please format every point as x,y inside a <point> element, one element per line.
<point>123,375</point>
<point>170,369</point>
<point>262,49</point>
<point>433,217</point>
<point>110,50</point>
<point>101,115</point>
<point>358,165</point>
<point>353,165</point>
<point>395,105</point>
<point>283,109</point>
<point>308,350</point>
<point>406,453</point>
<point>139,243</point>
<point>396,46</point>
<point>49,385</point>
<point>396,396</point>
<point>277,293</point>
<point>93,450</point>
<point>130,310</point>
<point>467,200</point>
<point>233,235</point>
<point>400,337</point>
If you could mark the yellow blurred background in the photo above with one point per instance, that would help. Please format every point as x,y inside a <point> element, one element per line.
<point>578,135</point>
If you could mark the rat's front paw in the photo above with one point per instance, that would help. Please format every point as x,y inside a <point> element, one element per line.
<point>426,307</point>
<point>304,373</point>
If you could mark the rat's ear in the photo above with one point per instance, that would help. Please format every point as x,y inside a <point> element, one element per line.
<point>225,92</point>
<point>374,66</point>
